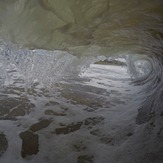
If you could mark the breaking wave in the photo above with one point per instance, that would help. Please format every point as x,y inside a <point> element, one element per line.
<point>79,77</point>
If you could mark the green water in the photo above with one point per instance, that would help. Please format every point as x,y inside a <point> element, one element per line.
<point>75,25</point>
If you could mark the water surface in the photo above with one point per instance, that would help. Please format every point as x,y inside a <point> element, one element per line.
<point>81,81</point>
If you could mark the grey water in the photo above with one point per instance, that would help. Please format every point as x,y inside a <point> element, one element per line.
<point>81,81</point>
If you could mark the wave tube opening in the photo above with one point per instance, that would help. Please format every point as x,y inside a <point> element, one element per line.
<point>81,81</point>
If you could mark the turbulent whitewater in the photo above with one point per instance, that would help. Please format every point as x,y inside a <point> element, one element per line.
<point>81,81</point>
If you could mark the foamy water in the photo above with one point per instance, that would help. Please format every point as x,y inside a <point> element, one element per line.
<point>81,81</point>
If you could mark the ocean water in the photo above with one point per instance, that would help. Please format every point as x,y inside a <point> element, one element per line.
<point>81,81</point>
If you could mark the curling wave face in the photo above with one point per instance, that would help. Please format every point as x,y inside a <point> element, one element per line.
<point>81,79</point>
